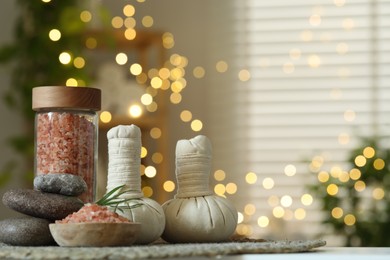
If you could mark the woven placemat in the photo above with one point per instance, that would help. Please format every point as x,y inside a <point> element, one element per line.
<point>159,250</point>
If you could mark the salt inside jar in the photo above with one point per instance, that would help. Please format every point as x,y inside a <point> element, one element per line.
<point>66,132</point>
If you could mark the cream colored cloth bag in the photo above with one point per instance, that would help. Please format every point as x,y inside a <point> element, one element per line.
<point>124,149</point>
<point>195,215</point>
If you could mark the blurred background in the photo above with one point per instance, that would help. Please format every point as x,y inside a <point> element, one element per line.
<point>294,96</point>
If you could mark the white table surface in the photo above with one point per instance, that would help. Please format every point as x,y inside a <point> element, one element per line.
<point>323,253</point>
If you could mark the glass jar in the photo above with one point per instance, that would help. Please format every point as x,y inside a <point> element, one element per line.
<point>66,133</point>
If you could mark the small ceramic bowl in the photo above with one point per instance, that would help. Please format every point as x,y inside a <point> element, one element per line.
<point>95,234</point>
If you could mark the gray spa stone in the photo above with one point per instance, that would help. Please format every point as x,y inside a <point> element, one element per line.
<point>40,204</point>
<point>26,231</point>
<point>65,184</point>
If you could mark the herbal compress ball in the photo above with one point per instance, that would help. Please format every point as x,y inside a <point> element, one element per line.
<point>195,215</point>
<point>124,150</point>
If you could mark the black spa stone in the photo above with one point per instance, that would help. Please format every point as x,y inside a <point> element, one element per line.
<point>65,184</point>
<point>26,231</point>
<point>40,204</point>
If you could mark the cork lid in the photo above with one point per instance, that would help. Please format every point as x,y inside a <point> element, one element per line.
<point>66,97</point>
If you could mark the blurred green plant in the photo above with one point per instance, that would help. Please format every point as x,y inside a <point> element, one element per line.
<point>33,59</point>
<point>356,202</point>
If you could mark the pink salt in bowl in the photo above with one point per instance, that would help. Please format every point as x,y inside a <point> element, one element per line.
<point>95,234</point>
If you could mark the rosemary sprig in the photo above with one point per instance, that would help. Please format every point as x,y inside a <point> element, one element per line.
<point>112,199</point>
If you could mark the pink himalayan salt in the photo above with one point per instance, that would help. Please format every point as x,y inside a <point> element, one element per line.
<point>93,213</point>
<point>65,144</point>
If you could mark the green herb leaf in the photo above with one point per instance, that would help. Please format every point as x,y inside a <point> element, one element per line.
<point>111,198</point>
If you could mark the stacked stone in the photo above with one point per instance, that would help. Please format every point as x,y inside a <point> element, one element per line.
<point>54,197</point>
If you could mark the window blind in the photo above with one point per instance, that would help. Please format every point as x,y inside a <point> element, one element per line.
<point>305,80</point>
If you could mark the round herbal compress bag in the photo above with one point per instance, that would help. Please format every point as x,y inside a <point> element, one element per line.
<point>124,150</point>
<point>195,215</point>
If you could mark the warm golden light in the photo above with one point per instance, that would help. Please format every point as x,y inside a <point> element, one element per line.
<point>147,191</point>
<point>157,158</point>
<point>378,193</point>
<point>369,152</point>
<point>286,201</point>
<point>175,98</point>
<point>344,176</point>
<point>314,61</point>
<point>273,201</point>
<point>147,21</point>
<point>121,58</point>
<point>251,178</point>
<point>244,75</point>
<point>240,218</point>
<point>379,164</point>
<point>164,73</point>
<point>317,162</point>
<point>130,34</point>
<point>231,188</point>
<point>196,125</point>
<point>355,174</point>
<point>117,22</point>
<point>135,111</point>
<point>349,115</point>
<point>278,212</point>
<point>91,43</point>
<point>152,107</point>
<point>79,62</point>
<point>219,189</point>
<point>199,72</point>
<point>54,35</point>
<point>186,116</point>
<point>263,221</point>
<point>290,170</point>
<point>130,22</point>
<point>337,212</point>
<point>335,171</point>
<point>219,175</point>
<point>268,183</point>
<point>360,161</point>
<point>177,86</point>
<point>156,82</point>
<point>136,69</point>
<point>306,199</point>
<point>155,132</point>
<point>105,117</point>
<point>349,220</point>
<point>169,186</point>
<point>85,16</point>
<point>221,66</point>
<point>146,99</point>
<point>71,82</point>
<point>65,58</point>
<point>323,176</point>
<point>360,186</point>
<point>128,10</point>
<point>168,40</point>
<point>144,152</point>
<point>332,189</point>
<point>300,213</point>
<point>150,172</point>
<point>249,209</point>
